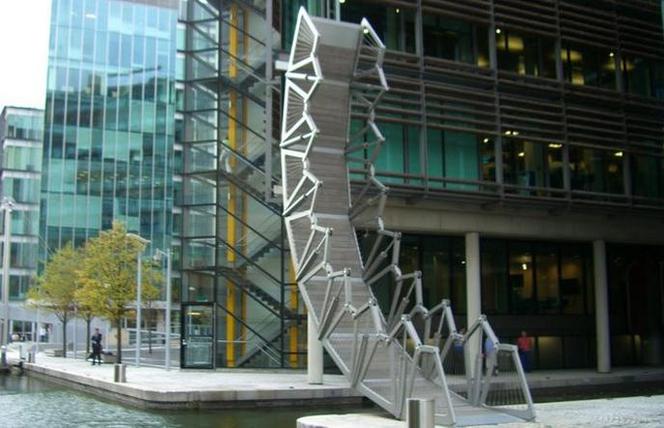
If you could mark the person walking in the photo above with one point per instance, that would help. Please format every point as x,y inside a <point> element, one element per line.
<point>96,347</point>
<point>525,345</point>
<point>490,357</point>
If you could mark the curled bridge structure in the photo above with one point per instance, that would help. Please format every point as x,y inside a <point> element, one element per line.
<point>403,349</point>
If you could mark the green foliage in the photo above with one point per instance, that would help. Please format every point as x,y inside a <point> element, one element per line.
<point>107,274</point>
<point>57,285</point>
<point>97,280</point>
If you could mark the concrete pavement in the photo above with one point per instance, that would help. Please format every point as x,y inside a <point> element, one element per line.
<point>642,412</point>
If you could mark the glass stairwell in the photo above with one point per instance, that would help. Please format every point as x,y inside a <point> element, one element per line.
<point>233,255</point>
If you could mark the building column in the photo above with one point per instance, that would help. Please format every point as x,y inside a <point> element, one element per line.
<point>601,308</point>
<point>314,353</point>
<point>473,294</point>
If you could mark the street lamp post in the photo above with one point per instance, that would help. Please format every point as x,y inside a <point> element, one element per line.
<point>167,315</point>
<point>7,205</point>
<point>138,295</point>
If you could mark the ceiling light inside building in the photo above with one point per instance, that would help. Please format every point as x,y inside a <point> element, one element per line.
<point>498,31</point>
<point>524,266</point>
<point>618,154</point>
<point>397,11</point>
<point>486,140</point>
<point>522,154</point>
<point>555,145</point>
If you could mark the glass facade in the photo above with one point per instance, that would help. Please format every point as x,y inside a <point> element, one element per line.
<point>589,66</point>
<point>500,107</point>
<point>21,132</point>
<point>394,25</point>
<point>526,54</point>
<point>109,120</point>
<point>545,288</point>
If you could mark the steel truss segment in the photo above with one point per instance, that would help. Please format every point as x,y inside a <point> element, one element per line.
<point>308,35</point>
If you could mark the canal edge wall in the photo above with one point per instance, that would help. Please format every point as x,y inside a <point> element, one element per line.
<point>133,395</point>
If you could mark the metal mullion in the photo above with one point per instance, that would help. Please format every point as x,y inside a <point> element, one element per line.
<point>560,278</point>
<point>485,113</point>
<point>533,275</point>
<point>188,73</point>
<point>449,118</point>
<point>92,117</point>
<point>196,21</point>
<point>197,50</point>
<point>269,63</point>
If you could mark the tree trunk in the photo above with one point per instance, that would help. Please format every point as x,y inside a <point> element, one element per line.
<point>88,321</point>
<point>118,323</point>
<point>149,332</point>
<point>64,335</point>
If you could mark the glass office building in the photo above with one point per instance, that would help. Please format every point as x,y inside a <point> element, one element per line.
<point>21,153</point>
<point>109,120</point>
<point>534,133</point>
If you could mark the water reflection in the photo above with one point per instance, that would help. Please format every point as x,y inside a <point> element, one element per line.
<point>30,402</point>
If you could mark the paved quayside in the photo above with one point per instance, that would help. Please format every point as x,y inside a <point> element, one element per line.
<point>642,412</point>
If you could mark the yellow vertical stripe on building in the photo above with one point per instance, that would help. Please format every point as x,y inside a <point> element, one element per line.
<point>245,213</point>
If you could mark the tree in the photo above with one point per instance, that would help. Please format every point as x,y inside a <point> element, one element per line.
<point>107,274</point>
<point>87,313</point>
<point>56,287</point>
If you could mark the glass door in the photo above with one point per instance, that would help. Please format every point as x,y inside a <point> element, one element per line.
<point>197,349</point>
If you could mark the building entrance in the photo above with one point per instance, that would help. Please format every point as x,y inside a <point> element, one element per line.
<point>197,349</point>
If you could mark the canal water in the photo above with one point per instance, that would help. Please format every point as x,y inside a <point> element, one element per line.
<point>35,403</point>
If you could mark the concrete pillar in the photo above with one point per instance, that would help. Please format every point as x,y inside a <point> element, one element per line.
<point>601,308</point>
<point>473,293</point>
<point>314,353</point>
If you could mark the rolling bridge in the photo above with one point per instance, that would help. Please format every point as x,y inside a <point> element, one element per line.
<point>393,353</point>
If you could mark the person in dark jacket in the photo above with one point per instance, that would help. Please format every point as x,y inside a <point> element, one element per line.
<point>96,347</point>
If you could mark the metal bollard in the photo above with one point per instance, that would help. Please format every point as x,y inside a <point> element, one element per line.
<point>120,373</point>
<point>420,413</point>
<point>3,356</point>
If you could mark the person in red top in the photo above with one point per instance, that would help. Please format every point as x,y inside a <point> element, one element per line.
<point>524,343</point>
